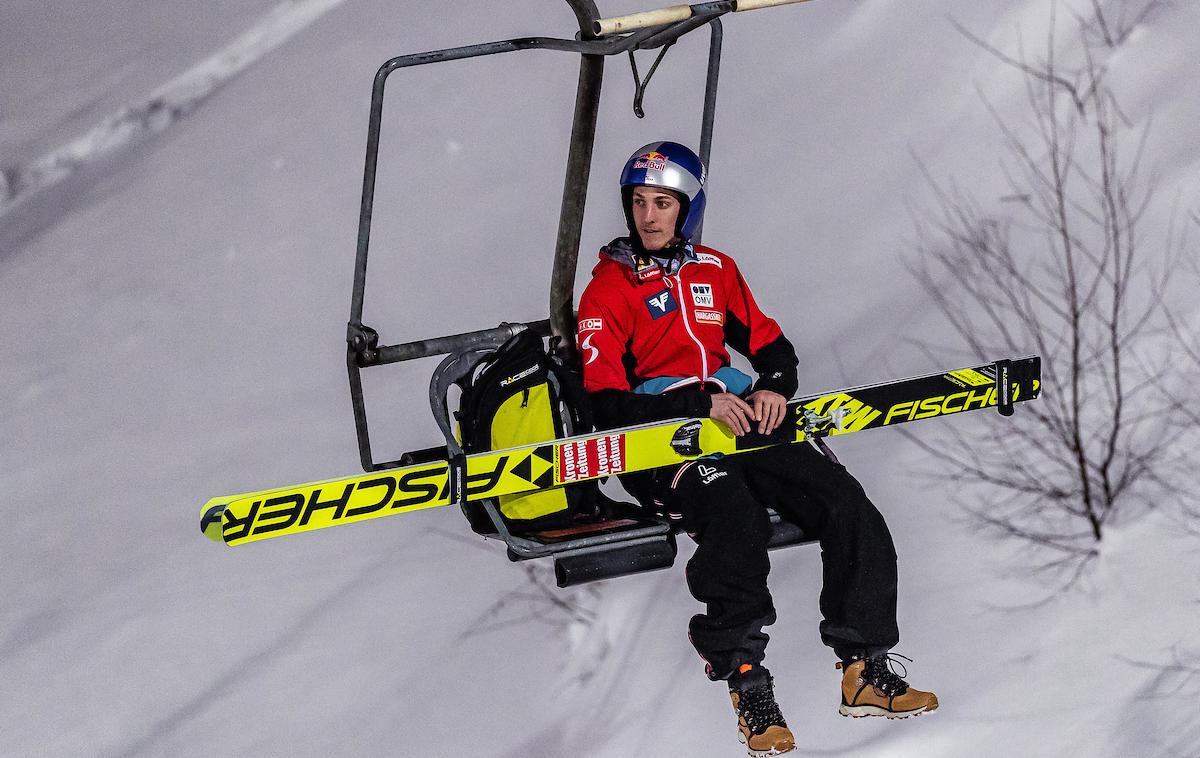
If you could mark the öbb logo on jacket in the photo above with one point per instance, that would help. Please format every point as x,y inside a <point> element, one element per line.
<point>661,304</point>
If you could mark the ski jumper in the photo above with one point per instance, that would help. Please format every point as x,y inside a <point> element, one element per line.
<point>653,340</point>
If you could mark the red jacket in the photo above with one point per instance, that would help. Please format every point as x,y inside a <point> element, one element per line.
<point>640,321</point>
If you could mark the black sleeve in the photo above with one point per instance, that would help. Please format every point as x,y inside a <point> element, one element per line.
<point>776,365</point>
<point>775,362</point>
<point>615,408</point>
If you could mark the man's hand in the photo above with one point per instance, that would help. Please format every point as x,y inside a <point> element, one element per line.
<point>768,409</point>
<point>732,411</point>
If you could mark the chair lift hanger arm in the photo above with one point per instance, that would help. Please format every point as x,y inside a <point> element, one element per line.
<point>673,13</point>
<point>579,156</point>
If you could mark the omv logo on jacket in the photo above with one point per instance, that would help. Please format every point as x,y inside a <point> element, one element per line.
<point>661,304</point>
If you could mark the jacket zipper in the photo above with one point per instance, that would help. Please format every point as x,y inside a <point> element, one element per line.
<point>683,314</point>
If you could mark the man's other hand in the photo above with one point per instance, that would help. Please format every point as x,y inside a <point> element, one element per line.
<point>768,409</point>
<point>733,412</point>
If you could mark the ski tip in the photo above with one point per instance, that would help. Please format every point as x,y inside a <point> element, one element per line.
<point>210,521</point>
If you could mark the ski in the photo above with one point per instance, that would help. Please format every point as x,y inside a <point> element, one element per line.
<point>250,517</point>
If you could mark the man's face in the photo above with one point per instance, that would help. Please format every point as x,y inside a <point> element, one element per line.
<point>655,212</point>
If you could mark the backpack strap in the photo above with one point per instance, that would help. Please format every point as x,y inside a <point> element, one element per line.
<point>571,392</point>
<point>453,369</point>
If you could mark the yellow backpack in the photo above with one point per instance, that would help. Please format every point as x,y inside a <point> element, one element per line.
<point>516,395</point>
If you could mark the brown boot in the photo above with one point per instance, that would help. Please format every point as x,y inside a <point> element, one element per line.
<point>871,688</point>
<point>760,724</point>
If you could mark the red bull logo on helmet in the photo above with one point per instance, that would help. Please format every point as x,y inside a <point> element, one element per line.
<point>651,161</point>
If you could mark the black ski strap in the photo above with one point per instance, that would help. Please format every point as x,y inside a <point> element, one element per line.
<point>1004,392</point>
<point>819,444</point>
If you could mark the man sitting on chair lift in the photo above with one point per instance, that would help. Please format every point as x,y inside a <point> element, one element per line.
<point>654,325</point>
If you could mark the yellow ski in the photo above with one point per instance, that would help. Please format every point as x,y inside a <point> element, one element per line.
<point>262,515</point>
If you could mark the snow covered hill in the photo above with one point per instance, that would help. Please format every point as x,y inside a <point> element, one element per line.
<point>174,321</point>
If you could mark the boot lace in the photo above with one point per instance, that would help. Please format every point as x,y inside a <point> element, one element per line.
<point>880,673</point>
<point>758,707</point>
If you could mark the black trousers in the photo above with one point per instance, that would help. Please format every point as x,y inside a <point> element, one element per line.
<point>721,502</point>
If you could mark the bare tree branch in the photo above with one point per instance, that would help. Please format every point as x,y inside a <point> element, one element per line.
<point>1064,267</point>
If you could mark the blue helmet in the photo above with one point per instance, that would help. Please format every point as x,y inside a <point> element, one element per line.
<point>672,166</point>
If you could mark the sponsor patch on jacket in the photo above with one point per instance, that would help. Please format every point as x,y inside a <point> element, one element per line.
<point>709,258</point>
<point>661,304</point>
<point>591,325</point>
<point>647,270</point>
<point>710,317</point>
<point>702,296</point>
<point>593,352</point>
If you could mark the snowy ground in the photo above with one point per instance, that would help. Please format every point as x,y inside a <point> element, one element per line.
<point>174,316</point>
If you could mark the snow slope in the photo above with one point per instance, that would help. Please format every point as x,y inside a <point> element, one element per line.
<point>174,321</point>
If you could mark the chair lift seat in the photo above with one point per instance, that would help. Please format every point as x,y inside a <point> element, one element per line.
<point>631,539</point>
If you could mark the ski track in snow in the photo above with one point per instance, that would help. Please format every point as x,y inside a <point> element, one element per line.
<point>165,106</point>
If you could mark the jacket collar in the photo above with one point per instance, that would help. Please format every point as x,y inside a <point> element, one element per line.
<point>641,266</point>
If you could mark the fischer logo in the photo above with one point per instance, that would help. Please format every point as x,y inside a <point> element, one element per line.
<point>702,295</point>
<point>710,473</point>
<point>710,317</point>
<point>941,405</point>
<point>591,325</point>
<point>979,396</point>
<point>651,161</point>
<point>519,376</point>
<point>333,502</point>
